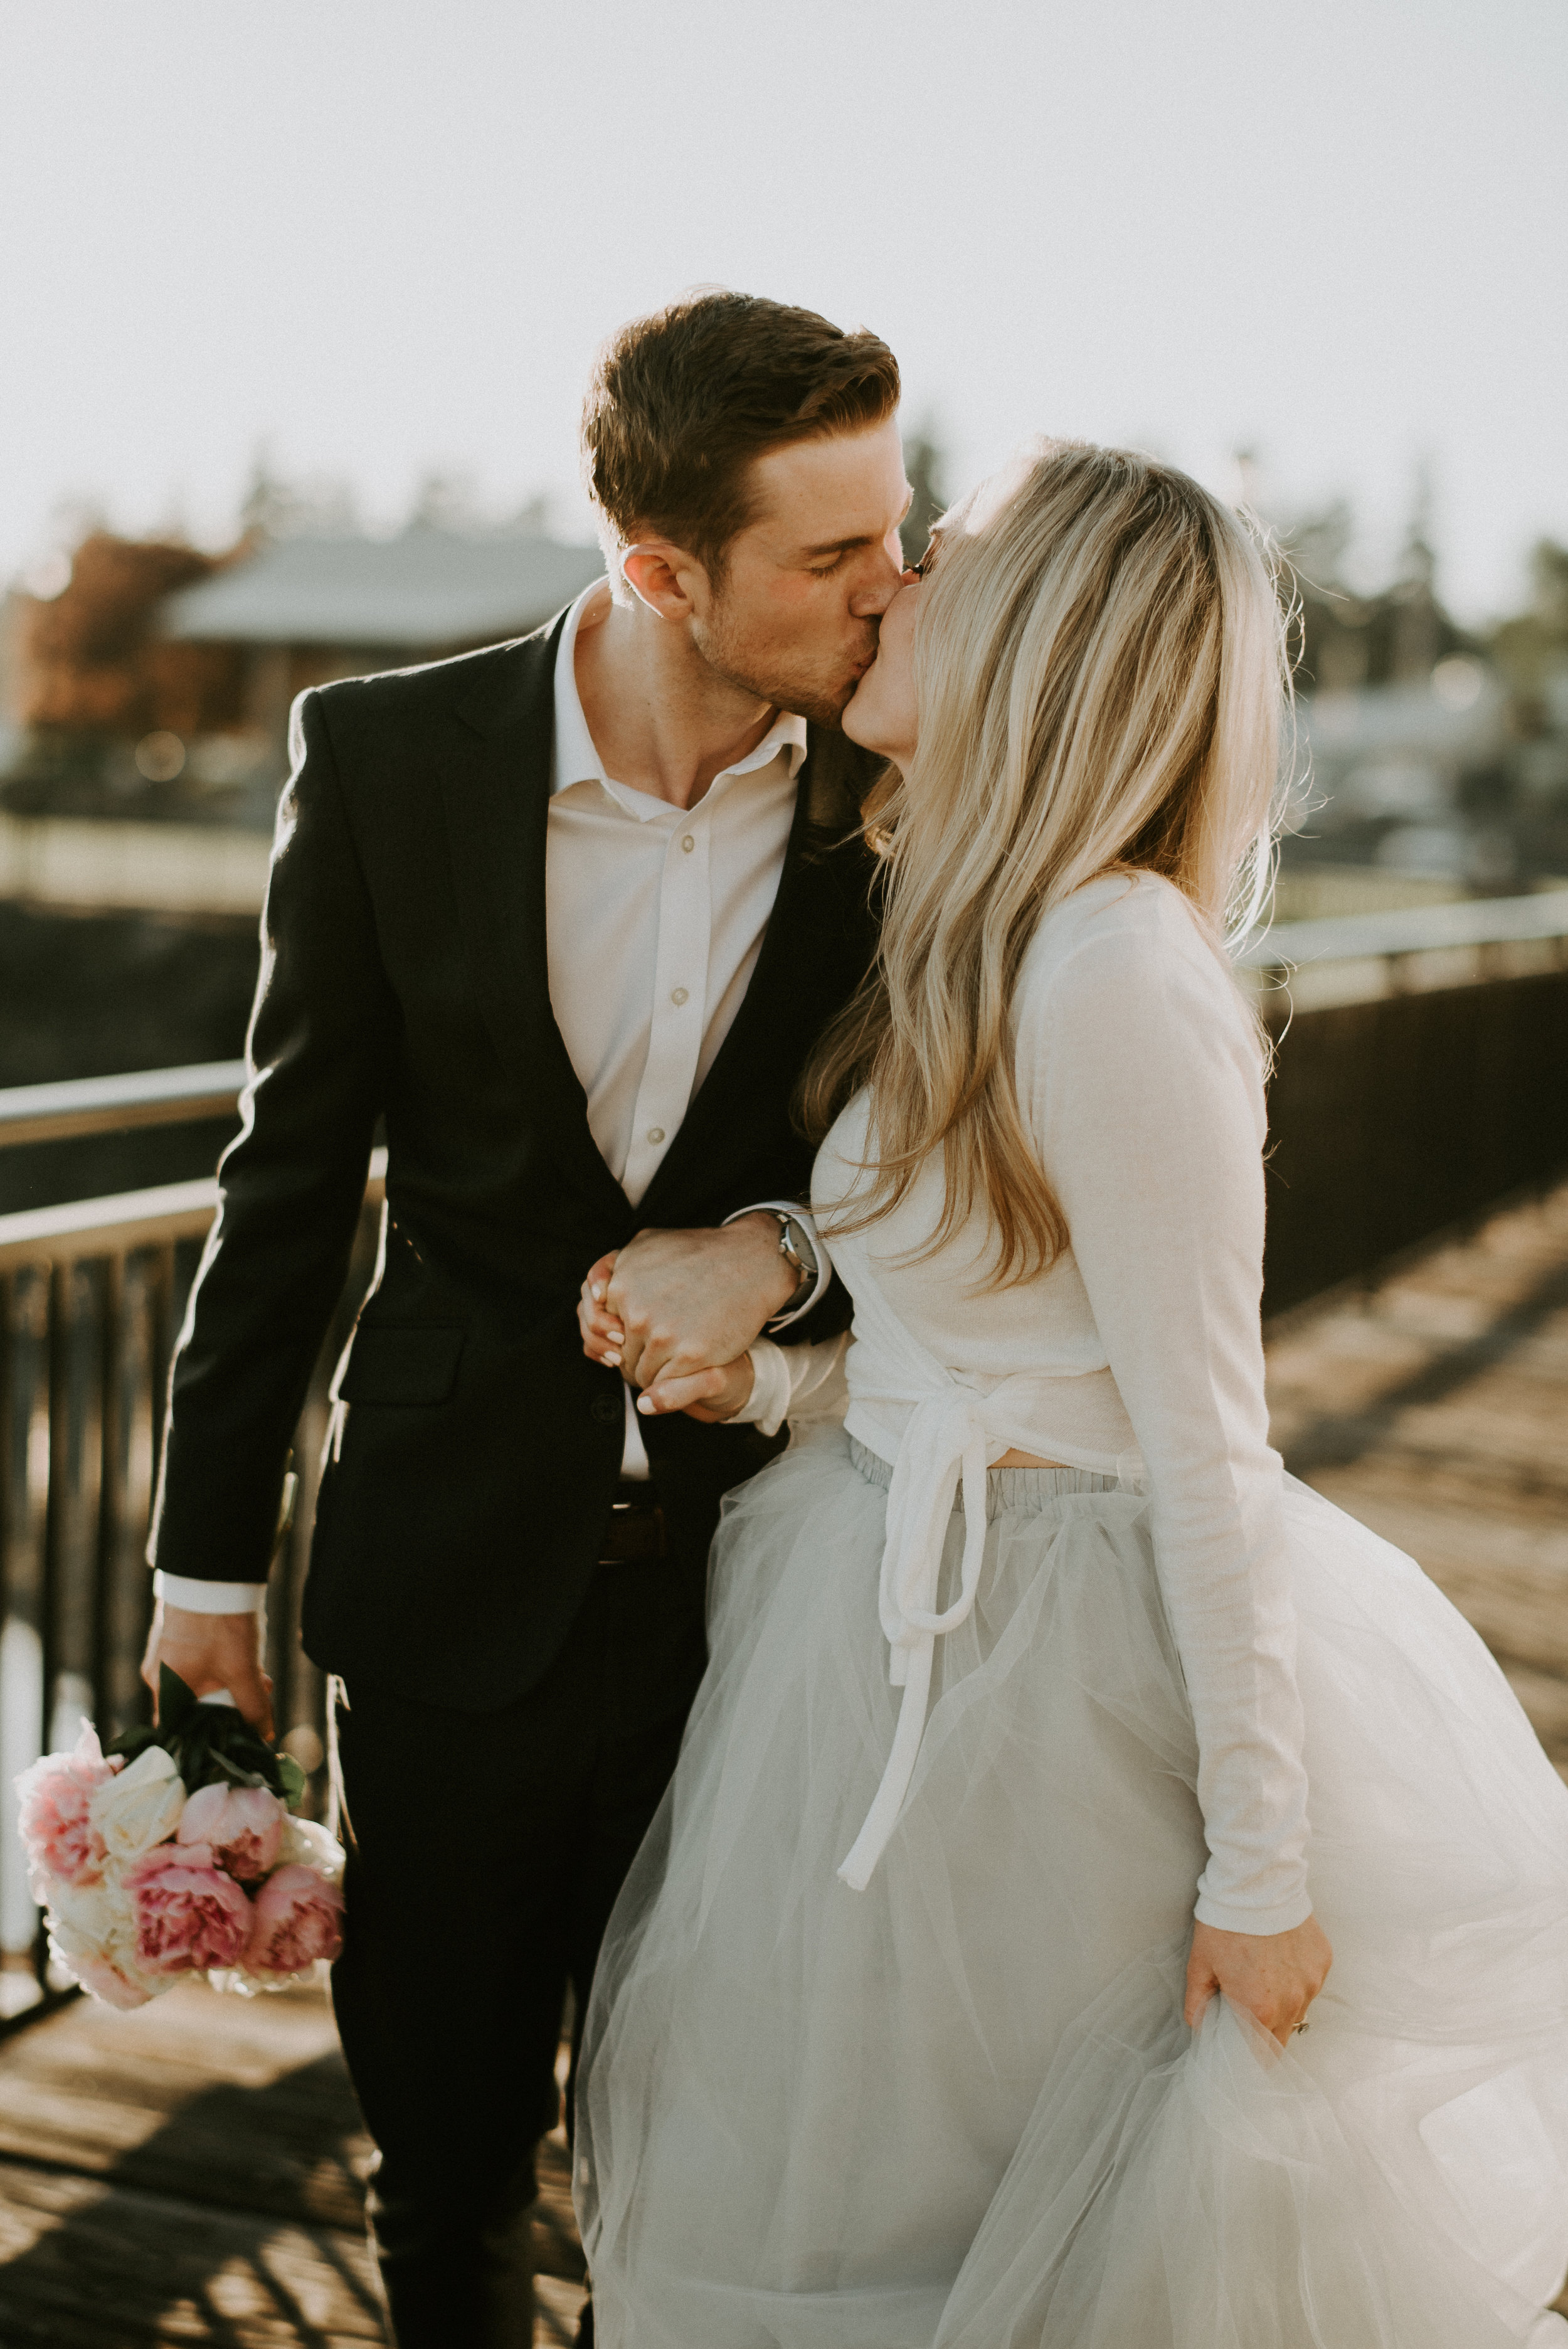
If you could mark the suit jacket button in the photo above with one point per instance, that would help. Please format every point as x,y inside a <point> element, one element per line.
<point>607,1410</point>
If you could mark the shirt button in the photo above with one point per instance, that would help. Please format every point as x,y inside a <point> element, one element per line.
<point>688,844</point>
<point>677,995</point>
<point>655,1134</point>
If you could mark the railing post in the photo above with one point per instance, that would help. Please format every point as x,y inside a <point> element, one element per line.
<point>110,1309</point>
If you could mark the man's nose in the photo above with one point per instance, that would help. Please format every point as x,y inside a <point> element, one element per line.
<point>871,600</point>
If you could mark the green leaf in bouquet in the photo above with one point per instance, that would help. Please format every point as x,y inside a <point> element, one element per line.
<point>177,1699</point>
<point>132,1742</point>
<point>210,1744</point>
<point>219,1763</point>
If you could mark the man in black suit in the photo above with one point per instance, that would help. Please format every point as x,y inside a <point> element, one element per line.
<point>568,914</point>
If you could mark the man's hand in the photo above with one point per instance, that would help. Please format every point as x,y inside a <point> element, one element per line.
<point>1275,1976</point>
<point>211,1653</point>
<point>675,1303</point>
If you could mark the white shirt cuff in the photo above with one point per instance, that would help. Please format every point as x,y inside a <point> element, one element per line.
<point>766,1407</point>
<point>814,1291</point>
<point>200,1597</point>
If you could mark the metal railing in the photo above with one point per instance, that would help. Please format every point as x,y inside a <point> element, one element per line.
<point>92,1294</point>
<point>1420,1076</point>
<point>116,1105</point>
<point>1417,949</point>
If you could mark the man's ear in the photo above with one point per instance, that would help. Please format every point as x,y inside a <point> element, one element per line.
<point>664,577</point>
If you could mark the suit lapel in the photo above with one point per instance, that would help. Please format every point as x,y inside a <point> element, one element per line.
<point>496,788</point>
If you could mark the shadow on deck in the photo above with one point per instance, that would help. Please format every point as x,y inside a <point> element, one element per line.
<point>1433,1405</point>
<point>192,2173</point>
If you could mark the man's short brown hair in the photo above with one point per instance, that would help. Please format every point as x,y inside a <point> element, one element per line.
<point>681,402</point>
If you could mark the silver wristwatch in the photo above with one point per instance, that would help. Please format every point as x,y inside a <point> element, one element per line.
<point>795,1247</point>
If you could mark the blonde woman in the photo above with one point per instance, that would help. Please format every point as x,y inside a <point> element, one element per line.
<point>1051,1734</point>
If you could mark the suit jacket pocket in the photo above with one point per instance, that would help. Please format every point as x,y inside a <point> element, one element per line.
<point>402,1362</point>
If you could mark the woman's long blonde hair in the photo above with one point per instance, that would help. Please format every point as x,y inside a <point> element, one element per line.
<point>1100,671</point>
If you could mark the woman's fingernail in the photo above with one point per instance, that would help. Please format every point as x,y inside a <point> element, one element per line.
<point>613,1361</point>
<point>597,1292</point>
<point>645,1405</point>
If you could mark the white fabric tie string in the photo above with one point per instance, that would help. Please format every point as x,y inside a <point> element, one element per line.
<point>951,1436</point>
<point>946,1439</point>
<point>952,1432</point>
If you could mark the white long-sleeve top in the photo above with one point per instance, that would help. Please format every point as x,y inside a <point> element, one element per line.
<point>1139,1351</point>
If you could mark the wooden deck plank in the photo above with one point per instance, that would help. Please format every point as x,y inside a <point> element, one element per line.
<point>231,2102</point>
<point>91,2265</point>
<point>1433,1406</point>
<point>194,2173</point>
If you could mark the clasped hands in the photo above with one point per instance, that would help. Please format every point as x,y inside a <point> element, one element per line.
<point>676,1312</point>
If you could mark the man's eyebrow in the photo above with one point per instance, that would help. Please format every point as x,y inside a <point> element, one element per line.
<point>844,546</point>
<point>839,545</point>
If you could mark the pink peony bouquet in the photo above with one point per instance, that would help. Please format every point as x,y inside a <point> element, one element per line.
<point>177,1853</point>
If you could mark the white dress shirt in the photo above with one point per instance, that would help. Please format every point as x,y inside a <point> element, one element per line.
<point>655,917</point>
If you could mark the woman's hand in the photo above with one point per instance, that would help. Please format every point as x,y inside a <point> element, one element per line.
<point>603,1335</point>
<point>1275,1976</point>
<point>709,1395</point>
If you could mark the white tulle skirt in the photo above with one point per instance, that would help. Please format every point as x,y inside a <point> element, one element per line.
<point>960,2110</point>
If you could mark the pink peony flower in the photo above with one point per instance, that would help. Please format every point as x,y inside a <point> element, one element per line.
<point>104,1979</point>
<point>61,1839</point>
<point>242,1827</point>
<point>189,1914</point>
<point>297,1918</point>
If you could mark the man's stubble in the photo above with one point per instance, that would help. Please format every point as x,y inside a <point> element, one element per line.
<point>751,663</point>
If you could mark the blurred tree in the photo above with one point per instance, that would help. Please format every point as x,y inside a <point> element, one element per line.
<point>90,663</point>
<point>1532,646</point>
<point>923,462</point>
<point>1394,635</point>
<point>316,507</point>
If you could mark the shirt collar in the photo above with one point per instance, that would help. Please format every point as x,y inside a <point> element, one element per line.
<point>574,759</point>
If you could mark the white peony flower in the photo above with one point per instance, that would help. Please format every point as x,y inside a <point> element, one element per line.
<point>92,1932</point>
<point>139,1807</point>
<point>93,1921</point>
<point>308,1845</point>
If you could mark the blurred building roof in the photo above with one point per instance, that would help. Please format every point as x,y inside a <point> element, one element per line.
<point>427,590</point>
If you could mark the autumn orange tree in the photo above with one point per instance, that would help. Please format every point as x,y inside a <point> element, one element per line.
<point>93,662</point>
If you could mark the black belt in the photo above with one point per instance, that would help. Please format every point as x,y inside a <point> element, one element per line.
<point>636,1528</point>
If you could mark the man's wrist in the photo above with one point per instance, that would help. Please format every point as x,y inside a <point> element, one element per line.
<point>805,1250</point>
<point>784,1276</point>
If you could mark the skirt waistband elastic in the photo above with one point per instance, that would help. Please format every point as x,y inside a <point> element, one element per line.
<point>1006,1488</point>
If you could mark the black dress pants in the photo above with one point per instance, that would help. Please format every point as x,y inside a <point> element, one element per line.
<point>485,1854</point>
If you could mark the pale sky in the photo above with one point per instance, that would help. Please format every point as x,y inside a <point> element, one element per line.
<point>384,236</point>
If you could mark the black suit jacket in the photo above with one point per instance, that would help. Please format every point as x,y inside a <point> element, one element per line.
<point>404,976</point>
